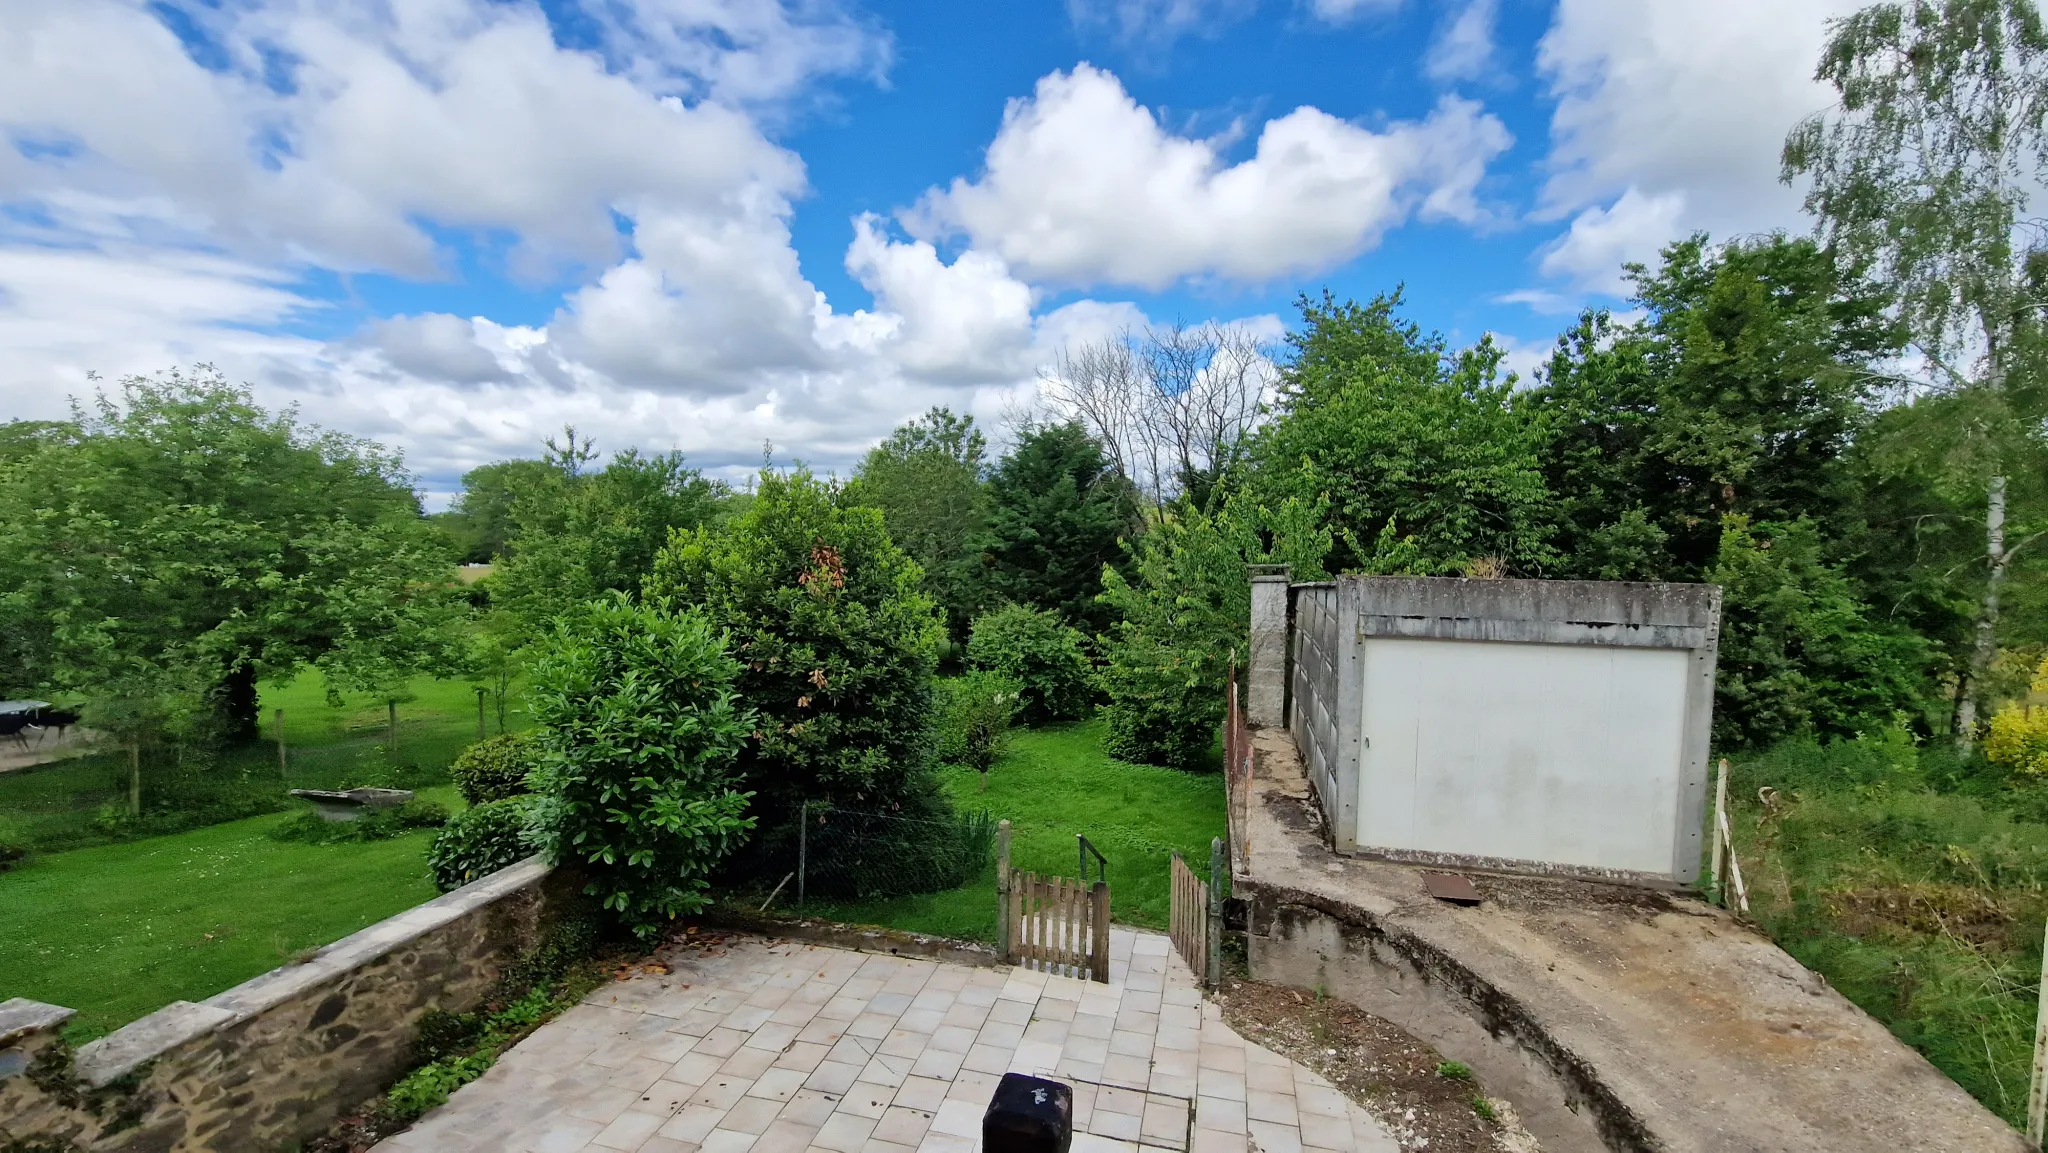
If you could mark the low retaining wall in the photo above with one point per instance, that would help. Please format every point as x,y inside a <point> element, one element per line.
<point>277,1059</point>
<point>1311,942</point>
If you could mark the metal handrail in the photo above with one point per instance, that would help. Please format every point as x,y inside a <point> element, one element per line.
<point>1101,862</point>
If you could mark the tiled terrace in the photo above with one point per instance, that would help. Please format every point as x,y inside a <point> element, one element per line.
<point>771,1046</point>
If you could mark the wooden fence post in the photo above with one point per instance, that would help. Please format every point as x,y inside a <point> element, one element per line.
<point>283,761</point>
<point>2037,1086</point>
<point>1219,877</point>
<point>1005,944</point>
<point>135,776</point>
<point>1716,889</point>
<point>1098,924</point>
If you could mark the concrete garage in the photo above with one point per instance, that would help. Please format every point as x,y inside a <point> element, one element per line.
<point>1530,726</point>
<point>1546,739</point>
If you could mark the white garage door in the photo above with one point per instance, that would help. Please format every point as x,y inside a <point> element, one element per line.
<point>1562,754</point>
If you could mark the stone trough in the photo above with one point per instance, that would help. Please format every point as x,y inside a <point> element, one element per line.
<point>351,804</point>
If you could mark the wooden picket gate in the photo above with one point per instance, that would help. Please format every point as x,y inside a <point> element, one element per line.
<point>1051,923</point>
<point>1195,915</point>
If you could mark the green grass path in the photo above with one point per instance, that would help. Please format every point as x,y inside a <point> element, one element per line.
<point>118,931</point>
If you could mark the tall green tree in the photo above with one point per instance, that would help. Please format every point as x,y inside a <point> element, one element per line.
<point>926,480</point>
<point>1798,653</point>
<point>1421,454</point>
<point>481,518</point>
<point>185,535</point>
<point>1738,391</point>
<point>1057,512</point>
<point>580,533</point>
<point>1927,171</point>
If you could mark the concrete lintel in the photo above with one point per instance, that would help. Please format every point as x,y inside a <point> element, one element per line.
<point>1601,612</point>
<point>20,1016</point>
<point>118,1053</point>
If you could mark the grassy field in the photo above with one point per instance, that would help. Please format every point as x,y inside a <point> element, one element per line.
<point>84,800</point>
<point>1917,884</point>
<point>118,931</point>
<point>1051,784</point>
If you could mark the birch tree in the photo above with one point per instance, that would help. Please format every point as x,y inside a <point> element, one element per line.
<point>1926,171</point>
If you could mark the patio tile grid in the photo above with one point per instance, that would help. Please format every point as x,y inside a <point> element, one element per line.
<point>769,1046</point>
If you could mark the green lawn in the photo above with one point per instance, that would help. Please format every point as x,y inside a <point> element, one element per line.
<point>84,800</point>
<point>118,931</point>
<point>1052,784</point>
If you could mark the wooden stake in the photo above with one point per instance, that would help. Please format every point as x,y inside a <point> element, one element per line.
<point>283,761</point>
<point>391,714</point>
<point>135,776</point>
<point>1099,922</point>
<point>1715,890</point>
<point>2037,1086</point>
<point>1213,947</point>
<point>1734,868</point>
<point>1005,908</point>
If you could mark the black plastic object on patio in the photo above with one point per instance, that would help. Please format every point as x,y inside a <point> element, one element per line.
<point>1028,1115</point>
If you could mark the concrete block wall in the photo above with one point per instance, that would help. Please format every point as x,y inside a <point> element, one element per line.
<point>279,1058</point>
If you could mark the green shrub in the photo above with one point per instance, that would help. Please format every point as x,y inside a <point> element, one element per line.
<point>374,825</point>
<point>1162,709</point>
<point>494,768</point>
<point>638,730</point>
<point>837,641</point>
<point>1047,659</point>
<point>1185,608</point>
<point>479,841</point>
<point>974,713</point>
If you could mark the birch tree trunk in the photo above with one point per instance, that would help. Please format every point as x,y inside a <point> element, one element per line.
<point>1987,617</point>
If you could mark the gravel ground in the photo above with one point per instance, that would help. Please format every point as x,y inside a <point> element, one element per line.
<point>1424,1101</point>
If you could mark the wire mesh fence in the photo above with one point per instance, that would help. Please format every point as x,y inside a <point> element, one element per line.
<point>848,855</point>
<point>866,867</point>
<point>110,792</point>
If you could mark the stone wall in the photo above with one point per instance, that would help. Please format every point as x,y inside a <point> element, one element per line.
<point>276,1059</point>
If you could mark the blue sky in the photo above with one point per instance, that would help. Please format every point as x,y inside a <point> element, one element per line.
<point>455,225</point>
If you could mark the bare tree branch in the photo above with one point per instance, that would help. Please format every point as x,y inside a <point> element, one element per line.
<point>1173,406</point>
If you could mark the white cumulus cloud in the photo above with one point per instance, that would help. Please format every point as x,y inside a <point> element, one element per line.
<point>1463,48</point>
<point>1083,185</point>
<point>163,210</point>
<point>1669,119</point>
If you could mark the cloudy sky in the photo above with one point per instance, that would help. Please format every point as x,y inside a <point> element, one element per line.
<point>456,225</point>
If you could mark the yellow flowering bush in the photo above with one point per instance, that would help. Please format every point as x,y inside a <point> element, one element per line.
<point>2019,731</point>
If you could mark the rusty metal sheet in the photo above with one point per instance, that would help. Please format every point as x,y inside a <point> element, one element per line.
<point>1453,887</point>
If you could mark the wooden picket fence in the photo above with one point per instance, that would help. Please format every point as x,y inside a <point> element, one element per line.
<point>1060,925</point>
<point>1051,923</point>
<point>1237,774</point>
<point>1195,914</point>
<point>1188,919</point>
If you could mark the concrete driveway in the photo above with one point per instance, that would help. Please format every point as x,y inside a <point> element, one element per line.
<point>772,1046</point>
